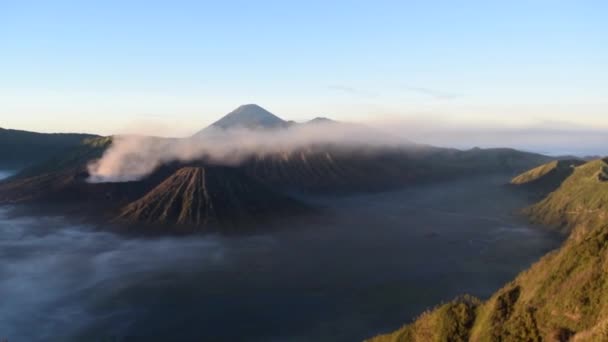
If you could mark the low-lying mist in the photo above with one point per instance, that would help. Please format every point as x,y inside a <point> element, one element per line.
<point>5,174</point>
<point>133,157</point>
<point>370,263</point>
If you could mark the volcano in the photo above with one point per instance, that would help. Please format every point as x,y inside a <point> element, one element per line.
<point>249,116</point>
<point>204,194</point>
<point>205,198</point>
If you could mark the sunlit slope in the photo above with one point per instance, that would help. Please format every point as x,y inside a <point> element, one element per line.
<point>582,198</point>
<point>449,322</point>
<point>562,297</point>
<point>547,177</point>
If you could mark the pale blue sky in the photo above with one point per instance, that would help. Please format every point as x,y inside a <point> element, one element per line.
<point>174,66</point>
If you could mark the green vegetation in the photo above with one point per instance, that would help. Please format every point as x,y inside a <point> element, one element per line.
<point>76,157</point>
<point>21,148</point>
<point>56,177</point>
<point>562,297</point>
<point>448,322</point>
<point>547,177</point>
<point>581,199</point>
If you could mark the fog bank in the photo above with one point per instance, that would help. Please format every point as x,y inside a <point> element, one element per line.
<point>366,266</point>
<point>133,157</point>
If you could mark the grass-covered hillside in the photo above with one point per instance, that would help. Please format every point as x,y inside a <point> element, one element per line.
<point>581,199</point>
<point>22,148</point>
<point>563,297</point>
<point>55,175</point>
<point>547,177</point>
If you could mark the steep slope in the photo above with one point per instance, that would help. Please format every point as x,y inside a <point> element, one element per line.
<point>250,116</point>
<point>582,197</point>
<point>22,148</point>
<point>563,297</point>
<point>547,177</point>
<point>52,176</point>
<point>449,322</point>
<point>197,198</point>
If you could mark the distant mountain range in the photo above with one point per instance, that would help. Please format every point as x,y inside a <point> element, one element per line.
<point>202,195</point>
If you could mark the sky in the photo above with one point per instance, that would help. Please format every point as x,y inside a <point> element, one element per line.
<point>173,67</point>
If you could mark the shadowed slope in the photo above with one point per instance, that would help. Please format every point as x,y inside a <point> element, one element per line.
<point>202,197</point>
<point>23,148</point>
<point>52,178</point>
<point>328,168</point>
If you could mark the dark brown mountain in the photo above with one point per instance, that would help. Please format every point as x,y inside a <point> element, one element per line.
<point>204,198</point>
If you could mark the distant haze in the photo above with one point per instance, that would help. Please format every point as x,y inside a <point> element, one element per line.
<point>573,140</point>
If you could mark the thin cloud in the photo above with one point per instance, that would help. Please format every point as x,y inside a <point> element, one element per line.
<point>436,94</point>
<point>352,91</point>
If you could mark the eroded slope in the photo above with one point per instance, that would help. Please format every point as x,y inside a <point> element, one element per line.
<point>197,198</point>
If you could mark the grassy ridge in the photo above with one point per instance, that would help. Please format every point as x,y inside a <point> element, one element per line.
<point>562,297</point>
<point>448,322</point>
<point>22,148</point>
<point>581,199</point>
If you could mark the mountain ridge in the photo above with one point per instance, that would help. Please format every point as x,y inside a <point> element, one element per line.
<point>562,297</point>
<point>20,148</point>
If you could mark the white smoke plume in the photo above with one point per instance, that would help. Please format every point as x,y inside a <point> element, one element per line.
<point>134,157</point>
